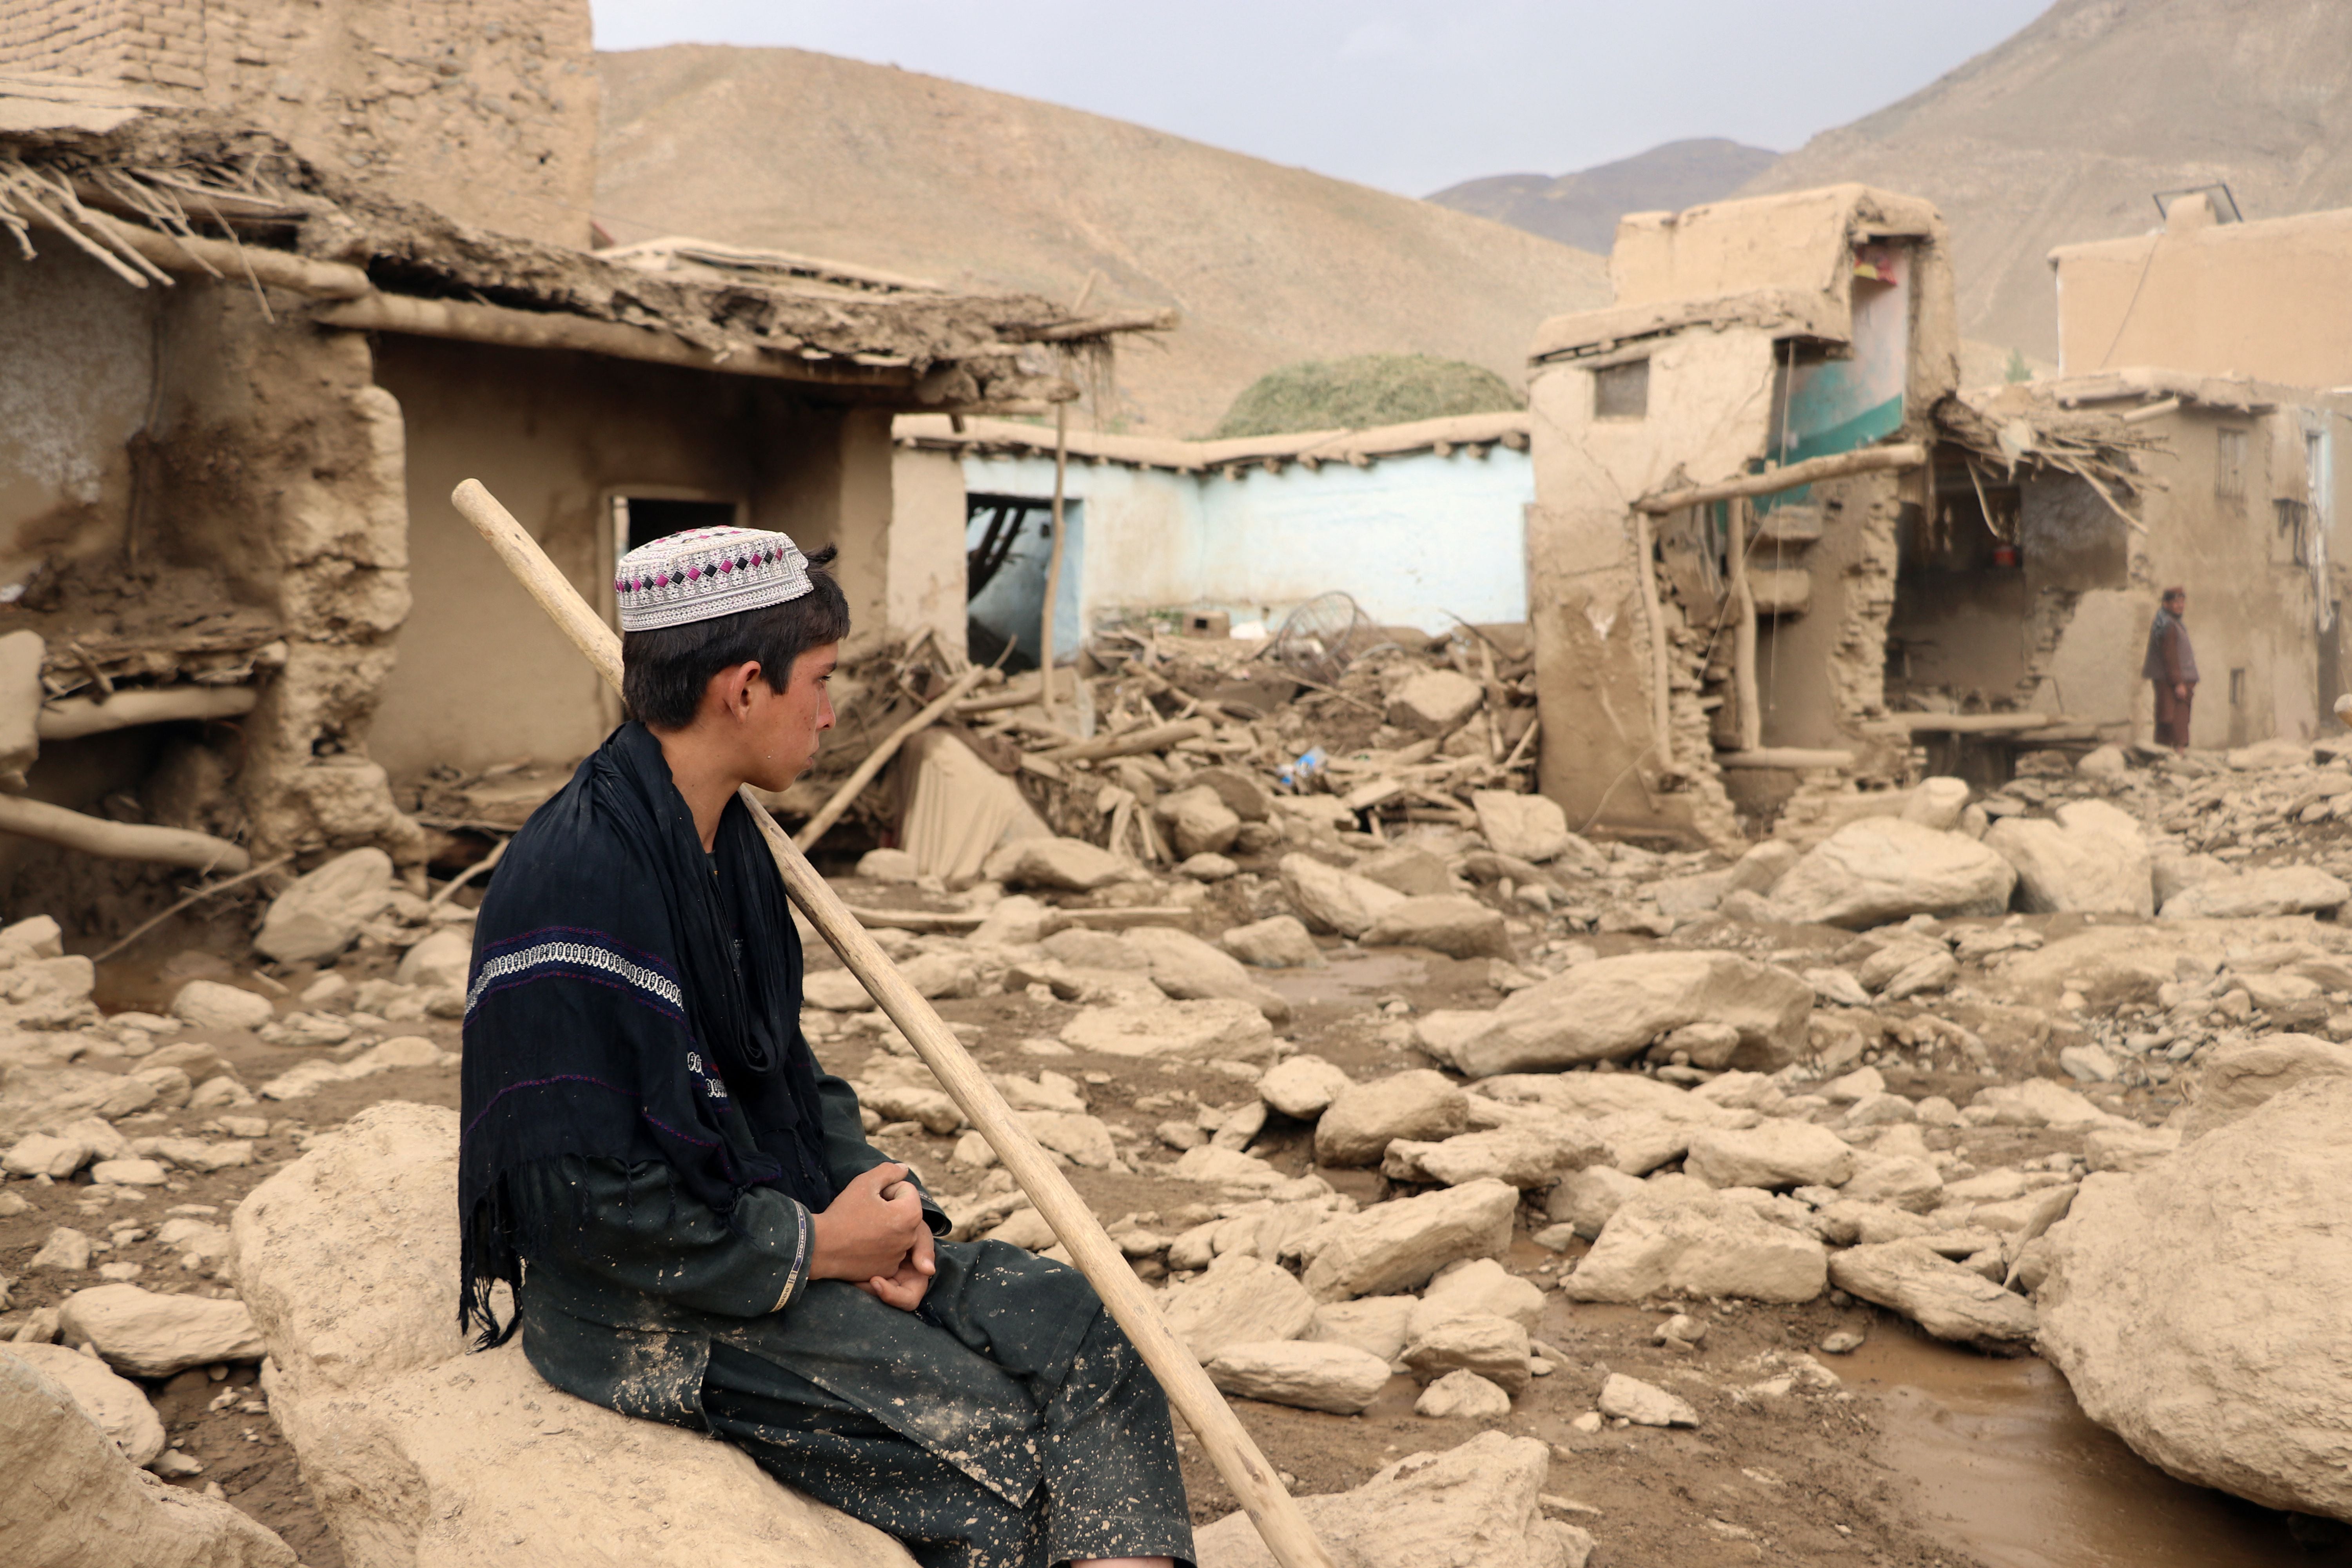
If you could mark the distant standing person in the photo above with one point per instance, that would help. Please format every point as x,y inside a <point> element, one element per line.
<point>2171,664</point>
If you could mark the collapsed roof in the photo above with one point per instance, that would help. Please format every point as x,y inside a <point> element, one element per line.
<point>149,191</point>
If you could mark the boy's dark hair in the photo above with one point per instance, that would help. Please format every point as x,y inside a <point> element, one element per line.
<point>2172,594</point>
<point>665,670</point>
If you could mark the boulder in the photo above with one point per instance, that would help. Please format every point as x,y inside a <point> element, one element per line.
<point>1709,1246</point>
<point>1279,942</point>
<point>1084,1139</point>
<point>1612,1008</point>
<point>1240,1300</point>
<point>72,1500</point>
<point>118,1404</point>
<point>1338,1378</point>
<point>1302,1086</point>
<point>1938,803</point>
<point>440,962</point>
<point>1905,1181</point>
<point>1883,868</point>
<point>209,1004</point>
<point>1396,1246</point>
<point>1596,1095</point>
<point>1479,1287</point>
<point>1948,1300</point>
<point>1774,1156</point>
<point>40,1154</point>
<point>64,1251</point>
<point>1529,1155</point>
<point>1586,1200</point>
<point>1463,1396</point>
<point>323,912</point>
<point>889,865</point>
<point>2197,1309</point>
<point>1328,899</point>
<point>1377,1325</point>
<point>1434,701</point>
<point>1217,1167</point>
<point>2092,860</point>
<point>143,1334</point>
<point>1642,1404</point>
<point>1477,1506</point>
<point>1199,820</point>
<point>1526,826</point>
<point>2239,1077</point>
<point>1495,1348</point>
<point>1407,868</point>
<point>1204,1030</point>
<point>1363,1118</point>
<point>2035,1102</point>
<point>1189,969</point>
<point>2249,895</point>
<point>418,1453</point>
<point>1070,864</point>
<point>1452,924</point>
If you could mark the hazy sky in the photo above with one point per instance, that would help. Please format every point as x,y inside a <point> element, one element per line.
<point>1410,97</point>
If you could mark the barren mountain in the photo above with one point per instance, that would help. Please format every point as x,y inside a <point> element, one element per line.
<point>970,188</point>
<point>1582,209</point>
<point>2063,132</point>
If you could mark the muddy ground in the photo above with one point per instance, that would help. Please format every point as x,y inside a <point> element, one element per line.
<point>1802,1476</point>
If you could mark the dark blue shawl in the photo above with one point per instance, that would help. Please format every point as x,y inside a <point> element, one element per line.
<point>634,999</point>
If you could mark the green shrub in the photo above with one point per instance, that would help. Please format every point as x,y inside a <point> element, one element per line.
<point>1364,391</point>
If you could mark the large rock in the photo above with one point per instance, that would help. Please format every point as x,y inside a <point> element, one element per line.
<point>1642,1404</point>
<point>1240,1300</point>
<point>1529,1155</point>
<point>1450,923</point>
<point>209,1004</point>
<point>1702,1247</point>
<point>1363,1118</point>
<point>1479,1288</point>
<point>1612,1008</point>
<point>1495,1348</point>
<point>1775,1154</point>
<point>72,1500</point>
<point>1308,1376</point>
<point>2237,1077</point>
<point>422,1457</point>
<point>1328,899</point>
<point>1526,826</point>
<point>1216,1027</point>
<point>1377,1325</point>
<point>1199,820</point>
<point>1303,1086</point>
<point>1277,942</point>
<point>1883,868</point>
<point>1395,1245</point>
<point>1948,1300</point>
<point>1477,1506</point>
<point>440,962</point>
<point>1071,865</point>
<point>2092,860</point>
<point>118,1404</point>
<point>143,1334</point>
<point>2197,1309</point>
<point>323,912</point>
<point>1189,969</point>
<point>2249,895</point>
<point>1433,702</point>
<point>1462,1395</point>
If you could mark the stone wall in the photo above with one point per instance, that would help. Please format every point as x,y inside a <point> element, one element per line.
<point>483,108</point>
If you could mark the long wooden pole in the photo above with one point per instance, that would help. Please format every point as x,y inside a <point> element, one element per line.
<point>1743,633</point>
<point>1870,459</point>
<point>1222,1437</point>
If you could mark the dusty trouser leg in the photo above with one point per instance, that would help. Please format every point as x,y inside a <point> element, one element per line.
<point>828,1447</point>
<point>1113,1487</point>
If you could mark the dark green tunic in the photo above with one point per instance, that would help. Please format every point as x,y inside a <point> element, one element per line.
<point>1006,1422</point>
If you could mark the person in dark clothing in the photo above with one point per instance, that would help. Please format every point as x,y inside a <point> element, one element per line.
<point>2171,665</point>
<point>694,1225</point>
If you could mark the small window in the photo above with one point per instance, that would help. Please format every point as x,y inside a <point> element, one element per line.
<point>2237,689</point>
<point>1621,391</point>
<point>640,520</point>
<point>2230,464</point>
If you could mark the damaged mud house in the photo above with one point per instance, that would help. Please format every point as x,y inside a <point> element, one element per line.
<point>1567,948</point>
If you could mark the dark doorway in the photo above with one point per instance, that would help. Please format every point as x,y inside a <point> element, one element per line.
<point>642,519</point>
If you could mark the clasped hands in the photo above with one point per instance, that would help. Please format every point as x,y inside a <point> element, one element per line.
<point>874,1235</point>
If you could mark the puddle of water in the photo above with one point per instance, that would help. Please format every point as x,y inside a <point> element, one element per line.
<point>1348,976</point>
<point>2003,1464</point>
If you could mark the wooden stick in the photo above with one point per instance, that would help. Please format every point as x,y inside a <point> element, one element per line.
<point>143,927</point>
<point>1645,578</point>
<point>1157,737</point>
<point>1812,470</point>
<point>487,863</point>
<point>79,716</point>
<point>876,759</point>
<point>1743,634</point>
<point>118,840</point>
<point>1227,1444</point>
<point>1053,560</point>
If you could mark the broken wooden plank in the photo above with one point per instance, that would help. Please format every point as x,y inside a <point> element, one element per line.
<point>1772,481</point>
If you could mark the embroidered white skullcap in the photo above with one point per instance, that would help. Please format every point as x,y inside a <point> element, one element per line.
<point>705,572</point>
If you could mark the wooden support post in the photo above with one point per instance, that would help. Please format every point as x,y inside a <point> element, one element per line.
<point>1227,1444</point>
<point>1743,633</point>
<point>1645,576</point>
<point>1054,561</point>
<point>1812,470</point>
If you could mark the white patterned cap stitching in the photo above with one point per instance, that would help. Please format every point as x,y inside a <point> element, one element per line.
<point>705,572</point>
